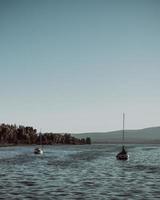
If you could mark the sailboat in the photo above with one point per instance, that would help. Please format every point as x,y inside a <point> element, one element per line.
<point>123,154</point>
<point>39,150</point>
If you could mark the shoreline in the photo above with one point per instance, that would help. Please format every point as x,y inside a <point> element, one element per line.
<point>98,143</point>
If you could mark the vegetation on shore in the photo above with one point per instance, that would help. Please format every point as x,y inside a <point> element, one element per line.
<point>13,134</point>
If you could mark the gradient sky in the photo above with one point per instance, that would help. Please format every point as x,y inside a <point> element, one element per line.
<point>76,66</point>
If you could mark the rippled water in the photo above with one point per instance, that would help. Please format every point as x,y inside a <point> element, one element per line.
<point>80,172</point>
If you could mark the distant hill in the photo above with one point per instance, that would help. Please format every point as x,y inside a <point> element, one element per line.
<point>146,135</point>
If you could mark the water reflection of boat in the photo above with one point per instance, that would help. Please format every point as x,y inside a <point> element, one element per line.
<point>123,155</point>
<point>39,150</point>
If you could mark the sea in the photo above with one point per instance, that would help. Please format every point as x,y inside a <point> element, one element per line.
<point>80,172</point>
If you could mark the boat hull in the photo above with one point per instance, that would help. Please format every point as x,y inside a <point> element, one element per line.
<point>122,157</point>
<point>38,151</point>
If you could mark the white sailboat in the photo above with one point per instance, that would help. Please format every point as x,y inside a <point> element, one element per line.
<point>123,155</point>
<point>39,150</point>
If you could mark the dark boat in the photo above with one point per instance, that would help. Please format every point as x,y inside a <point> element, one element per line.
<point>123,154</point>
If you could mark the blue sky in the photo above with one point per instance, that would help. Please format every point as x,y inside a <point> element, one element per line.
<point>76,66</point>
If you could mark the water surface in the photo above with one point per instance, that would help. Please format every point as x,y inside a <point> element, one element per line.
<point>67,172</point>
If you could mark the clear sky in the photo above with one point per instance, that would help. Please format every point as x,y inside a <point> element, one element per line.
<point>77,65</point>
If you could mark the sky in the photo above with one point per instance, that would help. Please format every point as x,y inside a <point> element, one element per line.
<point>76,66</point>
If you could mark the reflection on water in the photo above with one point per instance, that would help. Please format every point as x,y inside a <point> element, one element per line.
<point>79,172</point>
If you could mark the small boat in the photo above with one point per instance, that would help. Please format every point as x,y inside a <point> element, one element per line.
<point>123,154</point>
<point>39,150</point>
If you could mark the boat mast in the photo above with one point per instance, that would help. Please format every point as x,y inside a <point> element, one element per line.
<point>123,129</point>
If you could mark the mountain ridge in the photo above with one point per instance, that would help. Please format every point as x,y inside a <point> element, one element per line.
<point>144,135</point>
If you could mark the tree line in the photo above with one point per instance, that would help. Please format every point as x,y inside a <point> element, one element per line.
<point>13,134</point>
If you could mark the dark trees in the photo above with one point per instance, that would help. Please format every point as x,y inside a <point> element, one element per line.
<point>88,140</point>
<point>11,134</point>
